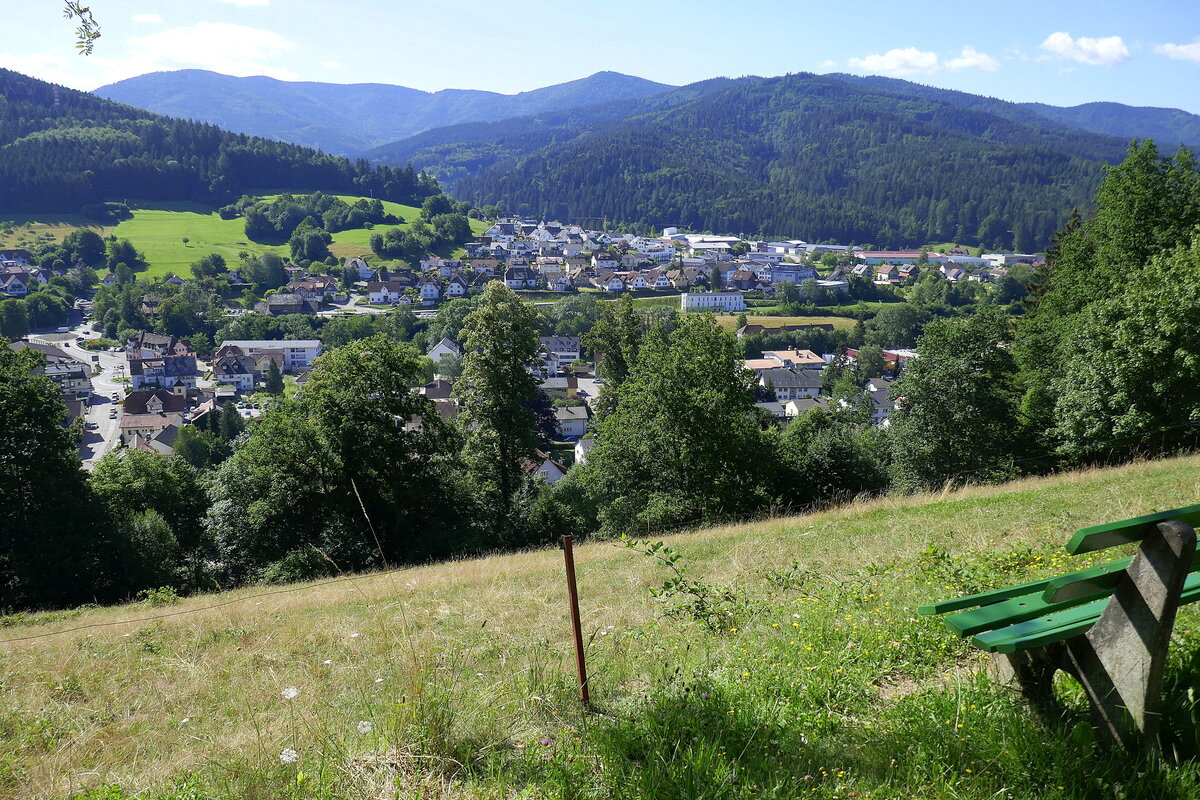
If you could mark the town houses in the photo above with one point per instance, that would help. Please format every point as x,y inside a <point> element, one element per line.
<point>713,273</point>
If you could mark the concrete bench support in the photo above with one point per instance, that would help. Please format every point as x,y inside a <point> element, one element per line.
<point>1119,662</point>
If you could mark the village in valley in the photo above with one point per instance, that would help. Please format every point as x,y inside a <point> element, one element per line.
<point>141,392</point>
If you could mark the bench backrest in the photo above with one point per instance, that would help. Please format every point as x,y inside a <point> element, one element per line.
<point>1112,534</point>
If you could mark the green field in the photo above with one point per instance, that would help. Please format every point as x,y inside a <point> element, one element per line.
<point>27,231</point>
<point>805,673</point>
<point>158,232</point>
<point>730,321</point>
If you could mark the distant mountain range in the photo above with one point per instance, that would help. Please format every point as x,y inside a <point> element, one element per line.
<point>844,157</point>
<point>345,119</point>
<point>67,151</point>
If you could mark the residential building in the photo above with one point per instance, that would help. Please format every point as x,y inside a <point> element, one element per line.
<point>712,301</point>
<point>567,348</point>
<point>582,448</point>
<point>232,367</point>
<point>572,421</point>
<point>789,384</point>
<point>442,349</point>
<point>298,355</point>
<point>544,466</point>
<point>73,377</point>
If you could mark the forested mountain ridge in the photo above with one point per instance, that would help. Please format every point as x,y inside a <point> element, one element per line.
<point>349,118</point>
<point>1169,127</point>
<point>457,151</point>
<point>62,150</point>
<point>810,156</point>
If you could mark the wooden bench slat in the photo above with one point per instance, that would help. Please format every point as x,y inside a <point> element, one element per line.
<point>1009,612</point>
<point>1061,625</point>
<point>1009,592</point>
<point>1111,534</point>
<point>983,598</point>
<point>1103,578</point>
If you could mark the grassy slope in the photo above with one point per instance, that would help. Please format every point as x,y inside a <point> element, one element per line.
<point>158,232</point>
<point>30,230</point>
<point>729,322</point>
<point>823,684</point>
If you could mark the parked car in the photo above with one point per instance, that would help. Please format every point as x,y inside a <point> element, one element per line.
<point>112,413</point>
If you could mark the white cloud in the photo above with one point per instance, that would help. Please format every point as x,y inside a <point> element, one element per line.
<point>1181,52</point>
<point>970,58</point>
<point>332,65</point>
<point>219,46</point>
<point>147,18</point>
<point>246,2</point>
<point>911,61</point>
<point>1098,52</point>
<point>906,61</point>
<point>828,64</point>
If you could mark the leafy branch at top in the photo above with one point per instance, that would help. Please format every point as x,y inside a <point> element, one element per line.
<point>88,31</point>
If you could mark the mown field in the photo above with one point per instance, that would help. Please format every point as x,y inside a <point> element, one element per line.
<point>159,232</point>
<point>27,231</point>
<point>793,665</point>
<point>730,321</point>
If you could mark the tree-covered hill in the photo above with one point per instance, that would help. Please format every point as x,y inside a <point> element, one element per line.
<point>62,150</point>
<point>802,155</point>
<point>1169,127</point>
<point>457,151</point>
<point>350,118</point>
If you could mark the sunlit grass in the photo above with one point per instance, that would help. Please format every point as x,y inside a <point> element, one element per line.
<point>825,683</point>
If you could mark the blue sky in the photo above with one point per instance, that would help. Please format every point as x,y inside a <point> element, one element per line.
<point>1052,51</point>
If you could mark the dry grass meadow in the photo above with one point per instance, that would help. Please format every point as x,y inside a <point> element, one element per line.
<point>457,680</point>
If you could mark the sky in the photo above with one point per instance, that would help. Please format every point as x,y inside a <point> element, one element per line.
<point>1061,52</point>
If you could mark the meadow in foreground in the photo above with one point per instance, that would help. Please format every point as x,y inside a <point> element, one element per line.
<point>791,663</point>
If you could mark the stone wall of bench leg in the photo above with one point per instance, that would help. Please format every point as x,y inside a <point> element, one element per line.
<point>1120,661</point>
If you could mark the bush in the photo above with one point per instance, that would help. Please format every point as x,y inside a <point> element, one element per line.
<point>304,564</point>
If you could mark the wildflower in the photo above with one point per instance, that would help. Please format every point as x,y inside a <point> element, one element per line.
<point>355,635</point>
<point>364,727</point>
<point>289,756</point>
<point>546,741</point>
<point>327,661</point>
<point>379,680</point>
<point>290,692</point>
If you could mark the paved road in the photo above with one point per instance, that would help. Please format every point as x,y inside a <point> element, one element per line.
<point>103,437</point>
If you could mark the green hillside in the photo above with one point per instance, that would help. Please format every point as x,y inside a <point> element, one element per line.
<point>798,155</point>
<point>806,673</point>
<point>158,232</point>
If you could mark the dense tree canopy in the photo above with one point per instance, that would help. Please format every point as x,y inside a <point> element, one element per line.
<point>61,150</point>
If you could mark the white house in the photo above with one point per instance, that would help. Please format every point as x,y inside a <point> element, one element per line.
<point>582,447</point>
<point>298,354</point>
<point>545,466</point>
<point>360,264</point>
<point>383,292</point>
<point>712,301</point>
<point>442,349</point>
<point>572,421</point>
<point>429,289</point>
<point>567,348</point>
<point>790,384</point>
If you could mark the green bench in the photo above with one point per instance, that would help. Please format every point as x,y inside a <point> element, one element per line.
<point>1108,626</point>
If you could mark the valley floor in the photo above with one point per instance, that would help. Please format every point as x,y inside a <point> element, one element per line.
<point>805,671</point>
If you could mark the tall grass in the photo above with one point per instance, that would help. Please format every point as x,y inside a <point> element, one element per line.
<point>456,680</point>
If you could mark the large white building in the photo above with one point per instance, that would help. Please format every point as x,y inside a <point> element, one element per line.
<point>712,301</point>
<point>298,354</point>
